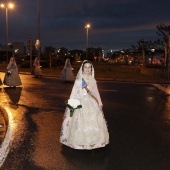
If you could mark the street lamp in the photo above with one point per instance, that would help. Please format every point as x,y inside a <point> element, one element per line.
<point>7,6</point>
<point>87,27</point>
<point>38,38</point>
<point>152,50</point>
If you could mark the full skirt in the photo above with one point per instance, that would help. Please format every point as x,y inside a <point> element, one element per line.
<point>13,79</point>
<point>37,71</point>
<point>87,128</point>
<point>67,74</point>
<point>0,82</point>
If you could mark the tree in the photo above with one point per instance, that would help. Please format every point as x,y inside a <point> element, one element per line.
<point>143,46</point>
<point>164,32</point>
<point>147,46</point>
<point>49,51</point>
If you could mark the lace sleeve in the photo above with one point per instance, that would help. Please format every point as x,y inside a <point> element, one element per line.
<point>75,93</point>
<point>9,66</point>
<point>95,88</point>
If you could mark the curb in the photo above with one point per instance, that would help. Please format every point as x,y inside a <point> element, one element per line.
<point>116,79</point>
<point>4,122</point>
<point>4,147</point>
<point>5,115</point>
<point>165,89</point>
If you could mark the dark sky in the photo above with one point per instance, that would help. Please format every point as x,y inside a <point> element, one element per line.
<point>115,24</point>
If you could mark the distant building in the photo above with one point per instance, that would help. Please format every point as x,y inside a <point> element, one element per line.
<point>109,55</point>
<point>5,53</point>
<point>77,55</point>
<point>19,48</point>
<point>15,48</point>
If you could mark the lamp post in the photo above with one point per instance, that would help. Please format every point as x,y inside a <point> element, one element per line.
<point>152,50</point>
<point>7,6</point>
<point>38,37</point>
<point>87,28</point>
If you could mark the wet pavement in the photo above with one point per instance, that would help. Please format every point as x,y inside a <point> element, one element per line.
<point>124,148</point>
<point>3,125</point>
<point>4,116</point>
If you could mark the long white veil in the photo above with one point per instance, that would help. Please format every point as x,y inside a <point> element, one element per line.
<point>80,72</point>
<point>67,62</point>
<point>79,80</point>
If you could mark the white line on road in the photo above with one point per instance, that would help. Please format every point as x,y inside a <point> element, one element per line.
<point>4,148</point>
<point>166,90</point>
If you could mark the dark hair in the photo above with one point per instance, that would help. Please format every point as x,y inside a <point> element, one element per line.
<point>87,61</point>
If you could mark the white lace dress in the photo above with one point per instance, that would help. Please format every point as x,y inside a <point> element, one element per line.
<point>67,73</point>
<point>37,68</point>
<point>12,79</point>
<point>87,129</point>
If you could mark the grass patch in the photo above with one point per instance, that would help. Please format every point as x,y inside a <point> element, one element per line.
<point>102,70</point>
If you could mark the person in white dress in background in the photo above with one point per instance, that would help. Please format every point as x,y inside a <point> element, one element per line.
<point>12,77</point>
<point>87,128</point>
<point>37,68</point>
<point>67,73</point>
<point>0,82</point>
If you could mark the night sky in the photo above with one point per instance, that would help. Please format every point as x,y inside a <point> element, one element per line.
<point>115,24</point>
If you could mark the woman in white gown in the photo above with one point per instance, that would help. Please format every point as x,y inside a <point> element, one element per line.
<point>12,77</point>
<point>0,82</point>
<point>37,68</point>
<point>87,128</point>
<point>67,74</point>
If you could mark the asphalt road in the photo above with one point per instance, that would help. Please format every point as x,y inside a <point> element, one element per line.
<point>137,116</point>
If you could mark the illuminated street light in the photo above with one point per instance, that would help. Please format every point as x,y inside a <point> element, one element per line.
<point>87,27</point>
<point>38,37</point>
<point>7,6</point>
<point>152,50</point>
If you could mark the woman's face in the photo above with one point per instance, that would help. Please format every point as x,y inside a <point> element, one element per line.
<point>87,68</point>
<point>12,59</point>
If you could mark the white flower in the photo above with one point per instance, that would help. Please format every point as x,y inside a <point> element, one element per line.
<point>73,102</point>
<point>8,72</point>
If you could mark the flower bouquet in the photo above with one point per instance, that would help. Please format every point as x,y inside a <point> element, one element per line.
<point>73,104</point>
<point>8,72</point>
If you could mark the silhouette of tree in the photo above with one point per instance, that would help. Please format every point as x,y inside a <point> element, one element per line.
<point>164,32</point>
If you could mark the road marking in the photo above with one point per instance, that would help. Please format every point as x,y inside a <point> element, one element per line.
<point>4,148</point>
<point>166,90</point>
